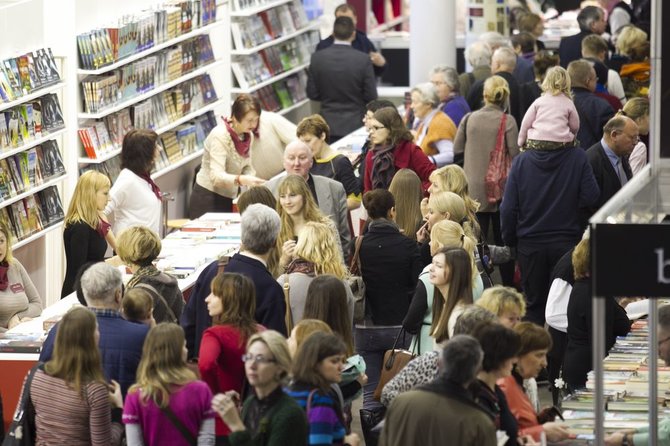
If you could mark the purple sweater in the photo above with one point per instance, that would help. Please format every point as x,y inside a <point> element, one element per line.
<point>550,118</point>
<point>190,403</point>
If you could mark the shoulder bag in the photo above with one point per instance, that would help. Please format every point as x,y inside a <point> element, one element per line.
<point>158,296</point>
<point>356,282</point>
<point>22,430</point>
<point>183,430</point>
<point>394,361</point>
<point>499,165</point>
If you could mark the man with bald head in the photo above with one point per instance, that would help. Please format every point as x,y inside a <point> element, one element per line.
<point>328,194</point>
<point>609,157</point>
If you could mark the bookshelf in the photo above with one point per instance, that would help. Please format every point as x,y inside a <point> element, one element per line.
<point>271,46</point>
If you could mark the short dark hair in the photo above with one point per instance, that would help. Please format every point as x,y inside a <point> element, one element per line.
<point>343,28</point>
<point>498,342</point>
<point>256,194</point>
<point>378,203</point>
<point>317,347</point>
<point>543,61</point>
<point>244,104</point>
<point>525,40</point>
<point>137,152</point>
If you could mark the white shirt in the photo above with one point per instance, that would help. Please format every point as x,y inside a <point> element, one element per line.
<point>132,202</point>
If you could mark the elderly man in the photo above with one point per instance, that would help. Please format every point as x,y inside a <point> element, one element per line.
<point>478,55</point>
<point>503,63</point>
<point>120,341</point>
<point>448,88</point>
<point>443,411</point>
<point>328,194</point>
<point>591,20</point>
<point>593,111</point>
<point>260,228</point>
<point>609,158</point>
<point>640,436</point>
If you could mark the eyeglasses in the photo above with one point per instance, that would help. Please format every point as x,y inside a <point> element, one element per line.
<point>258,359</point>
<point>663,341</point>
<point>374,128</point>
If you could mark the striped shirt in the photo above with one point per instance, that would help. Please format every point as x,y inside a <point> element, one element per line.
<point>324,417</point>
<point>63,416</point>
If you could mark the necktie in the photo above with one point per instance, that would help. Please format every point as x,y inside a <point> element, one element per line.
<point>622,173</point>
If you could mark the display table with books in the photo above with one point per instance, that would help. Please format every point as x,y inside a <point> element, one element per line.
<point>185,254</point>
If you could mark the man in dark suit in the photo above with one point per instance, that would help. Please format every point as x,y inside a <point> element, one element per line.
<point>343,80</point>
<point>361,41</point>
<point>609,158</point>
<point>593,111</point>
<point>260,229</point>
<point>591,20</point>
<point>503,64</point>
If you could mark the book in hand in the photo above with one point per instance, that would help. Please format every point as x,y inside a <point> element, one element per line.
<point>21,343</point>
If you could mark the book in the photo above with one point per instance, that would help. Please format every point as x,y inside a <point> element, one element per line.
<point>51,205</point>
<point>21,343</point>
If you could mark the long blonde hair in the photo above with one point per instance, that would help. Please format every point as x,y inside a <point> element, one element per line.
<point>76,357</point>
<point>452,178</point>
<point>162,365</point>
<point>318,244</point>
<point>407,192</point>
<point>450,234</point>
<point>296,184</point>
<point>83,206</point>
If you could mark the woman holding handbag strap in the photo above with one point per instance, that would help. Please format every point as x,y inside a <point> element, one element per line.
<point>168,405</point>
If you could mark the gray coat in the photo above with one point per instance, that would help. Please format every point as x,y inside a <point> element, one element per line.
<point>298,284</point>
<point>476,138</point>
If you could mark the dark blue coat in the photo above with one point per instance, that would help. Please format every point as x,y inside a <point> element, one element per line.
<point>543,194</point>
<point>120,345</point>
<point>594,112</point>
<point>270,306</point>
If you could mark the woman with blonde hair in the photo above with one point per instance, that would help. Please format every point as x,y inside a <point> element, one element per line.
<point>637,109</point>
<point>87,231</point>
<point>316,253</point>
<point>19,299</point>
<point>296,207</point>
<point>269,416</point>
<point>407,192</point>
<point>71,397</point>
<point>444,234</point>
<point>441,206</point>
<point>303,330</point>
<point>168,393</point>
<point>138,247</point>
<point>231,305</point>
<point>452,178</point>
<point>505,302</point>
<point>477,137</point>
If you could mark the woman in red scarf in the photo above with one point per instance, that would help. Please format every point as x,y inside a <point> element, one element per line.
<point>226,164</point>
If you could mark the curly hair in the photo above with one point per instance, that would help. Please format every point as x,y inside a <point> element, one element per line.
<point>318,244</point>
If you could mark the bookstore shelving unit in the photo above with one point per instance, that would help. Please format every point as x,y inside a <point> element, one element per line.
<point>161,98</point>
<point>271,44</point>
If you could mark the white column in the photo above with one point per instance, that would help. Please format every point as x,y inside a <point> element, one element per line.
<point>432,39</point>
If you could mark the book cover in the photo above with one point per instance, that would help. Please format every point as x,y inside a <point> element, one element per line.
<point>14,129</point>
<point>7,184</point>
<point>53,157</point>
<point>34,218</point>
<point>12,72</point>
<point>51,204</point>
<point>52,115</point>
<point>24,74</point>
<point>21,343</point>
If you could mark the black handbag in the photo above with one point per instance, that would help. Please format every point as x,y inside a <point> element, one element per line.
<point>22,430</point>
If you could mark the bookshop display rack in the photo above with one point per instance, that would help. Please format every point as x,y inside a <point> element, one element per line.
<point>159,79</point>
<point>272,42</point>
<point>31,163</point>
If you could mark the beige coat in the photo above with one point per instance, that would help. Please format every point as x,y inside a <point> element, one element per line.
<point>420,417</point>
<point>267,151</point>
<point>221,164</point>
<point>476,138</point>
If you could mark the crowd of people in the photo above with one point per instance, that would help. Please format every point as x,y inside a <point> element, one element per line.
<point>276,341</point>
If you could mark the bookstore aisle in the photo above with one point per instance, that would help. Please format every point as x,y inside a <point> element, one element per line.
<point>76,76</point>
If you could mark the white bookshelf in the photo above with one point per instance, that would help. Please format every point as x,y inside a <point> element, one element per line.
<point>37,235</point>
<point>271,80</point>
<point>295,106</point>
<point>277,41</point>
<point>247,12</point>
<point>33,190</point>
<point>177,164</point>
<point>32,96</point>
<point>33,143</point>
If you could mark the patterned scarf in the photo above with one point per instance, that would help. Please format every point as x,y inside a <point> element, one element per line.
<point>382,167</point>
<point>301,266</point>
<point>145,271</point>
<point>241,146</point>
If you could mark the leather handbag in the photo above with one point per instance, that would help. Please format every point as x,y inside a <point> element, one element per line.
<point>499,165</point>
<point>356,282</point>
<point>394,361</point>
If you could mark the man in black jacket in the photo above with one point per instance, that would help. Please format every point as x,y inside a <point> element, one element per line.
<point>591,21</point>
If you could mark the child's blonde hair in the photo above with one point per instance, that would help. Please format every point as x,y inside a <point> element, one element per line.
<point>137,305</point>
<point>557,81</point>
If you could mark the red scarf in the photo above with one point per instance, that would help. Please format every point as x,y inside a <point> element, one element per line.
<point>242,147</point>
<point>154,187</point>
